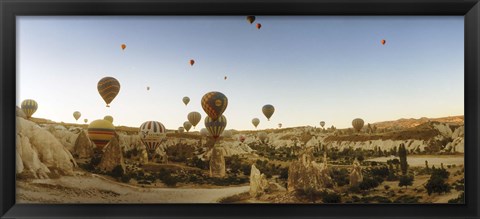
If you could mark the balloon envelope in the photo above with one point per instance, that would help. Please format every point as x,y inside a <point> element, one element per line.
<point>358,124</point>
<point>255,122</point>
<point>181,129</point>
<point>108,88</point>
<point>214,104</point>
<point>251,19</point>
<point>108,118</point>
<point>76,115</point>
<point>151,134</point>
<point>259,25</point>
<point>215,127</point>
<point>192,62</point>
<point>186,100</point>
<point>29,107</point>
<point>268,111</point>
<point>101,132</point>
<point>383,42</point>
<point>262,136</point>
<point>194,118</point>
<point>241,138</point>
<point>124,46</point>
<point>322,123</point>
<point>187,125</point>
<point>85,120</point>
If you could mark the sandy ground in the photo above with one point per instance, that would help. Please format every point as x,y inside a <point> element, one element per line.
<point>85,188</point>
<point>419,160</point>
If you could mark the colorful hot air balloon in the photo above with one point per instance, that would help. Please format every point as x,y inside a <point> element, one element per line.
<point>259,25</point>
<point>204,132</point>
<point>383,42</point>
<point>262,136</point>
<point>194,118</point>
<point>108,118</point>
<point>251,19</point>
<point>192,62</point>
<point>279,125</point>
<point>186,100</point>
<point>358,124</point>
<point>85,120</point>
<point>151,134</point>
<point>242,138</point>
<point>187,125</point>
<point>215,127</point>
<point>255,122</point>
<point>101,132</point>
<point>108,88</point>
<point>214,104</point>
<point>124,46</point>
<point>322,123</point>
<point>268,111</point>
<point>76,115</point>
<point>29,107</point>
<point>181,129</point>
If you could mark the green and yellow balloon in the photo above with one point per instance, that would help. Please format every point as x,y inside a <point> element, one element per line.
<point>29,107</point>
<point>268,111</point>
<point>215,127</point>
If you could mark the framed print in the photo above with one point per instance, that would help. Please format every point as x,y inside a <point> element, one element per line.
<point>178,109</point>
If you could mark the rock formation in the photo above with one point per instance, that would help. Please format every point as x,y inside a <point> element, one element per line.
<point>356,175</point>
<point>112,157</point>
<point>83,147</point>
<point>40,153</point>
<point>305,174</point>
<point>258,182</point>
<point>217,162</point>
<point>19,112</point>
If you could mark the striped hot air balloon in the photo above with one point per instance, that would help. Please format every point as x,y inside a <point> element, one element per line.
<point>255,122</point>
<point>108,118</point>
<point>29,107</point>
<point>268,111</point>
<point>186,100</point>
<point>215,127</point>
<point>194,118</point>
<point>187,125</point>
<point>181,129</point>
<point>358,124</point>
<point>322,123</point>
<point>151,134</point>
<point>108,88</point>
<point>101,132</point>
<point>76,115</point>
<point>214,104</point>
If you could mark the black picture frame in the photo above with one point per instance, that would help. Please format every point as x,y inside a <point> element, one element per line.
<point>9,9</point>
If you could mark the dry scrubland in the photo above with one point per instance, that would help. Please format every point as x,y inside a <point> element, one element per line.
<point>55,164</point>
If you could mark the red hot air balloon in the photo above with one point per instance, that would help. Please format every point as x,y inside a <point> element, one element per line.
<point>192,62</point>
<point>259,25</point>
<point>242,138</point>
<point>383,42</point>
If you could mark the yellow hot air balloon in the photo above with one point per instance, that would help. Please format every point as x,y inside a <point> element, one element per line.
<point>187,125</point>
<point>85,120</point>
<point>76,115</point>
<point>255,122</point>
<point>214,104</point>
<point>268,111</point>
<point>185,100</point>
<point>101,132</point>
<point>216,127</point>
<point>151,134</point>
<point>108,88</point>
<point>29,107</point>
<point>194,118</point>
<point>358,124</point>
<point>181,129</point>
<point>108,118</point>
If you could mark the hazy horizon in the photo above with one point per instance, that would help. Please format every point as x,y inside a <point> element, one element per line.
<point>312,69</point>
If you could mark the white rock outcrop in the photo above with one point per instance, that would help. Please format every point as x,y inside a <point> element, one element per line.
<point>258,182</point>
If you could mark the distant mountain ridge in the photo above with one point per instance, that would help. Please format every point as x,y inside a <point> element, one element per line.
<point>412,122</point>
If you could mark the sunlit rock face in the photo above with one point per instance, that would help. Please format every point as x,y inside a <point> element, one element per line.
<point>19,112</point>
<point>356,175</point>
<point>217,162</point>
<point>40,152</point>
<point>83,147</point>
<point>66,137</point>
<point>305,174</point>
<point>258,182</point>
<point>112,157</point>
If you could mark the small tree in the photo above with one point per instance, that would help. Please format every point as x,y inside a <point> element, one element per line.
<point>402,153</point>
<point>405,181</point>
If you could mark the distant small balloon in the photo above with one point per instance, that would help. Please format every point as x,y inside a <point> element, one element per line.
<point>124,46</point>
<point>251,19</point>
<point>85,120</point>
<point>192,62</point>
<point>29,107</point>
<point>76,115</point>
<point>383,42</point>
<point>186,100</point>
<point>259,25</point>
<point>108,118</point>
<point>148,88</point>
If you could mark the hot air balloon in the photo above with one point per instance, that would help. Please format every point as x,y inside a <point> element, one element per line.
<point>186,100</point>
<point>187,125</point>
<point>242,138</point>
<point>181,129</point>
<point>101,132</point>
<point>151,134</point>
<point>29,107</point>
<point>215,127</point>
<point>279,125</point>
<point>268,111</point>
<point>251,19</point>
<point>255,122</point>
<point>262,136</point>
<point>194,118</point>
<point>204,132</point>
<point>108,118</point>
<point>225,78</point>
<point>85,120</point>
<point>124,46</point>
<point>76,115</point>
<point>192,62</point>
<point>108,88</point>
<point>214,104</point>
<point>259,25</point>
<point>148,88</point>
<point>358,124</point>
<point>322,123</point>
<point>383,42</point>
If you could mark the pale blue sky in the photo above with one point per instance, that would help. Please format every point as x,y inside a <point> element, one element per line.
<point>310,68</point>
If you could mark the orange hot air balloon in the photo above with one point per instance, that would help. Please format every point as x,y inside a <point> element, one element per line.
<point>124,46</point>
<point>383,42</point>
<point>192,62</point>
<point>259,25</point>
